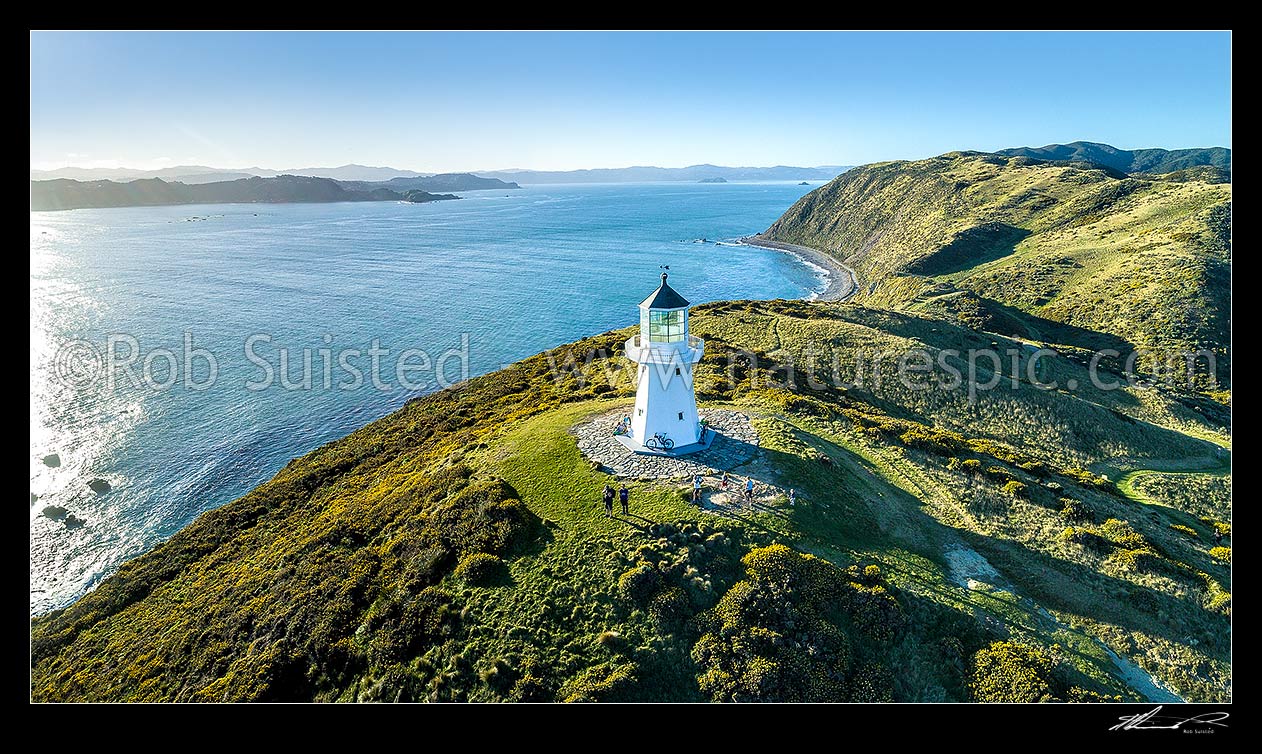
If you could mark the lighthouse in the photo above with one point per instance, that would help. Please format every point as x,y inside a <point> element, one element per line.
<point>665,417</point>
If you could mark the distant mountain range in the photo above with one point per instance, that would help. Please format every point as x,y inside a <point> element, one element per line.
<point>692,173</point>
<point>203,174</point>
<point>63,193</point>
<point>361,173</point>
<point>68,188</point>
<point>1154,161</point>
<point>440,182</point>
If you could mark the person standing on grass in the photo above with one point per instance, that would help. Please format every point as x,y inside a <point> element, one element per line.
<point>793,497</point>
<point>624,497</point>
<point>696,489</point>
<point>723,482</point>
<point>749,489</point>
<point>608,501</point>
<point>1218,537</point>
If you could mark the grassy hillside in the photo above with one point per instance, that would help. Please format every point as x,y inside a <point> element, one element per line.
<point>940,549</point>
<point>1063,254</point>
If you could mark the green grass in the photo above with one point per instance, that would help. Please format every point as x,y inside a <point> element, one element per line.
<point>1200,495</point>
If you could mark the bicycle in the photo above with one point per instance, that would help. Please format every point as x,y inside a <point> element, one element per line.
<point>659,441</point>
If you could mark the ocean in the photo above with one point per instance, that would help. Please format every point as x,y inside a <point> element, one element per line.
<point>169,346</point>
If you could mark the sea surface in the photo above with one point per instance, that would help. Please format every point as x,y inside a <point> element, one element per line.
<point>127,303</point>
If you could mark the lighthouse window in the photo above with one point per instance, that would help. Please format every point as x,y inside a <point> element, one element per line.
<point>676,371</point>
<point>681,416</point>
<point>666,327</point>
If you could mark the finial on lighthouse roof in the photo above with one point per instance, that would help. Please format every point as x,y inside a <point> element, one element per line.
<point>664,297</point>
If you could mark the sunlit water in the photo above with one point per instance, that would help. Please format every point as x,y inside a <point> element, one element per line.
<point>518,272</point>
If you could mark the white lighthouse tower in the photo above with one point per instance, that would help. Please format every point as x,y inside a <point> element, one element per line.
<point>665,417</point>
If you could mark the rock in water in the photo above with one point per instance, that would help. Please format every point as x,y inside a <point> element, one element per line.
<point>55,512</point>
<point>74,522</point>
<point>99,486</point>
<point>52,460</point>
<point>34,498</point>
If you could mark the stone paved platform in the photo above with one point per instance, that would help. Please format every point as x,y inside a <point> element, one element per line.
<point>735,443</point>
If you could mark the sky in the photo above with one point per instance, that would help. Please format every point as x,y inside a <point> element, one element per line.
<point>560,101</point>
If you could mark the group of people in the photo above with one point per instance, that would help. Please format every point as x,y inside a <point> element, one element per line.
<point>624,497</point>
<point>697,481</point>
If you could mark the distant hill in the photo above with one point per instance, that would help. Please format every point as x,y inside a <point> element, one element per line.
<point>215,177</point>
<point>1128,160</point>
<point>68,194</point>
<point>203,174</point>
<point>693,173</point>
<point>349,173</point>
<point>716,179</point>
<point>176,173</point>
<point>440,182</point>
<point>1059,252</point>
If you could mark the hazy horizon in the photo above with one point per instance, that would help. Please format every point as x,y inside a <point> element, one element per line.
<point>460,102</point>
<point>326,165</point>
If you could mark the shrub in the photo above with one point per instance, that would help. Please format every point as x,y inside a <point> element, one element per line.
<point>481,518</point>
<point>602,684</point>
<point>1079,695</point>
<point>479,568</point>
<point>638,584</point>
<point>953,464</point>
<point>1220,553</point>
<point>1084,537</point>
<point>668,609</point>
<point>1034,467</point>
<point>1140,559</point>
<point>1219,526</point>
<point>1217,599</point>
<point>972,465</point>
<point>403,625</point>
<point>875,612</point>
<point>1184,530</point>
<point>1075,510</point>
<point>1009,672</point>
<point>776,563</point>
<point>1087,479</point>
<point>998,472</point>
<point>930,440</point>
<point>1015,488</point>
<point>1134,541</point>
<point>872,683</point>
<point>771,636</point>
<point>530,688</point>
<point>1122,533</point>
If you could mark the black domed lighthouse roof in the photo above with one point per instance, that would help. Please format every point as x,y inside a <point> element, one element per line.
<point>664,297</point>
